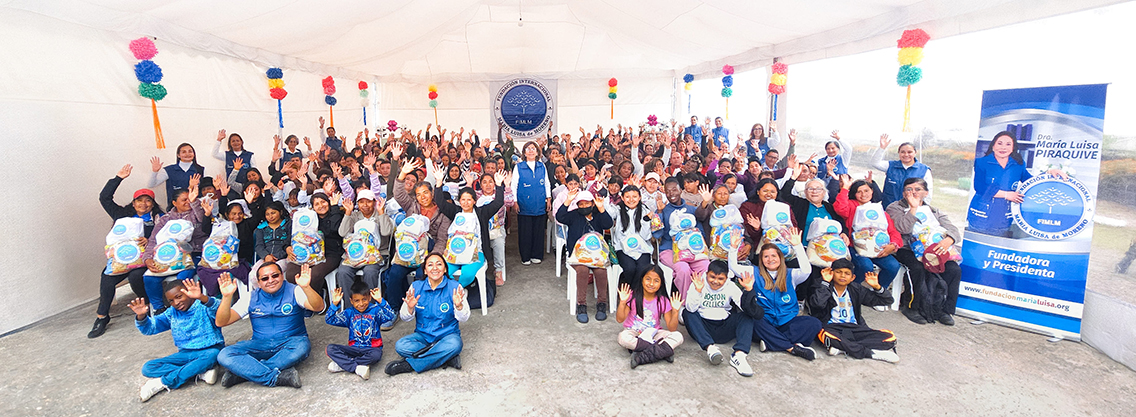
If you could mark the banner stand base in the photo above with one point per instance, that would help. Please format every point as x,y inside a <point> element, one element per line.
<point>979,318</point>
<point>978,322</point>
<point>1055,339</point>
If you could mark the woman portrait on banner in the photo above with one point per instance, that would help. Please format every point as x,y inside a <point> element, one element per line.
<point>996,178</point>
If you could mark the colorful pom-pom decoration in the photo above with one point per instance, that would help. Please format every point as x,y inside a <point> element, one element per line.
<point>776,89</point>
<point>152,91</point>
<point>687,87</point>
<point>433,95</point>
<point>613,89</point>
<point>329,90</point>
<point>148,72</point>
<point>727,69</point>
<point>278,93</point>
<point>275,83</point>
<point>433,104</point>
<point>688,78</point>
<point>780,68</point>
<point>778,79</point>
<point>910,45</point>
<point>910,56</point>
<point>652,120</point>
<point>328,81</point>
<point>908,75</point>
<point>612,82</point>
<point>611,96</point>
<point>364,93</point>
<point>362,85</point>
<point>728,81</point>
<point>392,125</point>
<point>274,73</point>
<point>432,88</point>
<point>914,38</point>
<point>727,92</point>
<point>329,100</point>
<point>143,48</point>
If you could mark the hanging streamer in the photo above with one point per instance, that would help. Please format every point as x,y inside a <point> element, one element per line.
<point>910,45</point>
<point>775,107</point>
<point>364,116</point>
<point>149,75</point>
<point>158,139</point>
<point>612,89</point>
<point>328,90</point>
<point>727,82</point>
<point>280,113</point>
<point>907,111</point>
<point>688,79</point>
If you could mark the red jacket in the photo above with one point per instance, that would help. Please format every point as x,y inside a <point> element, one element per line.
<point>846,208</point>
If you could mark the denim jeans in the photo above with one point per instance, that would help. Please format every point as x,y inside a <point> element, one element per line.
<point>182,366</point>
<point>154,285</point>
<point>395,284</point>
<point>260,360</point>
<point>345,277</point>
<point>413,347</point>
<point>889,268</point>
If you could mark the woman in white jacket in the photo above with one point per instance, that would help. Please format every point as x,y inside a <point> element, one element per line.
<point>632,236</point>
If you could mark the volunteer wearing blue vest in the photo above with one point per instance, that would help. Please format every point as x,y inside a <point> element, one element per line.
<point>176,176</point>
<point>534,201</point>
<point>694,130</point>
<point>290,149</point>
<point>899,171</point>
<point>996,176</point>
<point>236,150</point>
<point>721,133</point>
<point>438,304</point>
<point>772,300</point>
<point>837,151</point>
<point>758,144</point>
<point>279,338</point>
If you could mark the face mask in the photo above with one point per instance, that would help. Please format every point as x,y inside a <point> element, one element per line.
<point>584,211</point>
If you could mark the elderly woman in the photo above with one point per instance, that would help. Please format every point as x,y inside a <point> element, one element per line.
<point>903,212</point>
<point>143,207</point>
<point>437,304</point>
<point>814,206</point>
<point>583,213</point>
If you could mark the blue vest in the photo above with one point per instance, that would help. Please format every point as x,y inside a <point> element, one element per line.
<point>780,307</point>
<point>822,169</point>
<point>287,157</point>
<point>896,175</point>
<point>276,316</point>
<point>721,134</point>
<point>434,314</point>
<point>530,190</point>
<point>178,180</point>
<point>246,157</point>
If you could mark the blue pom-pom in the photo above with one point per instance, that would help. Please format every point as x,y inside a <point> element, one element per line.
<point>688,78</point>
<point>329,100</point>
<point>728,81</point>
<point>908,75</point>
<point>148,72</point>
<point>274,73</point>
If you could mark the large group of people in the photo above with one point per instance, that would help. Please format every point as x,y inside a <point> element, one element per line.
<point>402,224</point>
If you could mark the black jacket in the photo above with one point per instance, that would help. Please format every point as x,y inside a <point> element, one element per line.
<point>246,229</point>
<point>329,227</point>
<point>106,198</point>
<point>578,224</point>
<point>800,206</point>
<point>823,300</point>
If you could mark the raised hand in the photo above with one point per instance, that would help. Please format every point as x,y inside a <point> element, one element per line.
<point>139,307</point>
<point>156,164</point>
<point>221,135</point>
<point>753,222</point>
<point>192,288</point>
<point>308,143</point>
<point>746,280</point>
<point>411,300</point>
<point>459,298</point>
<point>222,185</point>
<point>873,279</point>
<point>470,178</point>
<point>624,293</point>
<point>676,300</point>
<point>869,175</point>
<point>500,177</point>
<point>227,285</point>
<point>336,198</point>
<point>704,191</point>
<point>369,161</point>
<point>276,141</point>
<point>321,122</point>
<point>194,180</point>
<point>376,294</point>
<point>830,165</point>
<point>835,134</point>
<point>238,163</point>
<point>408,168</point>
<point>884,141</point>
<point>380,205</point>
<point>792,136</point>
<point>337,296</point>
<point>698,280</point>
<point>794,236</point>
<point>250,195</point>
<point>125,171</point>
<point>845,180</point>
<point>826,274</point>
<point>207,206</point>
<point>336,170</point>
<point>305,278</point>
<point>348,205</point>
<point>439,176</point>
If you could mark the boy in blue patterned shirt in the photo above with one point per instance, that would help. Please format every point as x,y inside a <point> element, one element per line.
<point>365,346</point>
<point>197,337</point>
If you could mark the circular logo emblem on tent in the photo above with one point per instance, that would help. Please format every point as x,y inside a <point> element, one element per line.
<point>832,229</point>
<point>872,215</point>
<point>166,252</point>
<point>406,251</point>
<point>304,221</point>
<point>118,229</point>
<point>457,245</point>
<point>127,254</point>
<point>838,248</point>
<point>211,253</point>
<point>1052,208</point>
<point>355,250</point>
<point>524,106</point>
<point>782,217</point>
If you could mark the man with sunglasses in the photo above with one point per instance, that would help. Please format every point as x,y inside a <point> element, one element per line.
<point>279,338</point>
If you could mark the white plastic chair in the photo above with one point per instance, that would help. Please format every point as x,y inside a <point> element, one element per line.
<point>561,243</point>
<point>332,284</point>
<point>613,273</point>
<point>903,277</point>
<point>549,238</point>
<point>668,276</point>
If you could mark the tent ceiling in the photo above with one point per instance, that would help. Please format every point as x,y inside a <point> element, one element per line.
<point>469,40</point>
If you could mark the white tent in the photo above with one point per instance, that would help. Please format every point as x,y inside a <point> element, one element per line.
<point>71,116</point>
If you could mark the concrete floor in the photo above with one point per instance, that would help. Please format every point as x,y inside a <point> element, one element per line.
<point>529,357</point>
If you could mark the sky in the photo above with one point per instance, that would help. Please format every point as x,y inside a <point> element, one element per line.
<point>858,94</point>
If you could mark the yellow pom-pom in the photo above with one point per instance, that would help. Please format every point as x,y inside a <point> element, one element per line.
<point>612,89</point>
<point>688,86</point>
<point>432,88</point>
<point>276,83</point>
<point>778,79</point>
<point>910,56</point>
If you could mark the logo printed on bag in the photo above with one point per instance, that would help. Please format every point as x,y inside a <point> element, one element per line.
<point>935,238</point>
<point>696,242</point>
<point>406,251</point>
<point>633,243</point>
<point>872,215</point>
<point>838,248</point>
<point>685,224</point>
<point>719,214</point>
<point>460,221</point>
<point>127,253</point>
<point>355,250</point>
<point>304,221</point>
<point>882,239</point>
<point>782,217</point>
<point>832,229</point>
<point>921,216</point>
<point>118,229</point>
<point>211,253</point>
<point>301,252</point>
<point>409,221</point>
<point>167,252</point>
<point>457,245</point>
<point>592,243</point>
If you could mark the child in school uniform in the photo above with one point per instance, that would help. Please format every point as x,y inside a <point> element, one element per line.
<point>642,313</point>
<point>365,345</point>
<point>197,337</point>
<point>837,304</point>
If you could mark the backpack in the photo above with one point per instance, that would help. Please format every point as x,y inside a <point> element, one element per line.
<point>933,296</point>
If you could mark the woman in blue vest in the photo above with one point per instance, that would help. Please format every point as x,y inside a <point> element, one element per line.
<point>758,144</point>
<point>176,176</point>
<point>770,293</point>
<point>530,180</point>
<point>837,151</point>
<point>996,176</point>
<point>236,150</point>
<point>896,172</point>
<point>437,304</point>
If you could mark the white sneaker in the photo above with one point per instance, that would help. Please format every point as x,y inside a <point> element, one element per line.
<point>833,351</point>
<point>536,261</point>
<point>761,345</point>
<point>881,308</point>
<point>151,388</point>
<point>739,362</point>
<point>714,354</point>
<point>526,263</point>
<point>885,355</point>
<point>210,376</point>
<point>334,367</point>
<point>363,371</point>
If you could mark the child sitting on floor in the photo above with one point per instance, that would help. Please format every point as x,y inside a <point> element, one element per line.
<point>195,334</point>
<point>642,313</point>
<point>837,305</point>
<point>365,345</point>
<point>713,316</point>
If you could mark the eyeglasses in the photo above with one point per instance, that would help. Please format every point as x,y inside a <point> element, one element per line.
<point>814,189</point>
<point>268,277</point>
<point>912,189</point>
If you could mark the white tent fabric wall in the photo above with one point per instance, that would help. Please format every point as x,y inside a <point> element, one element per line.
<point>71,117</point>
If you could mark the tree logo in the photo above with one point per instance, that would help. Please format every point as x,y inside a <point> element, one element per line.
<point>1053,208</point>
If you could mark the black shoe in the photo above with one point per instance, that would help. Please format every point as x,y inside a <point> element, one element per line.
<point>454,362</point>
<point>99,328</point>
<point>582,313</point>
<point>400,366</point>
<point>803,351</point>
<point>913,315</point>
<point>288,378</point>
<point>601,311</point>
<point>229,379</point>
<point>946,319</point>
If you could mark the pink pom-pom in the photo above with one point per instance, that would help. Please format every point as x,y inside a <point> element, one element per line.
<point>328,82</point>
<point>362,85</point>
<point>143,48</point>
<point>329,90</point>
<point>727,69</point>
<point>612,82</point>
<point>914,38</point>
<point>776,89</point>
<point>780,68</point>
